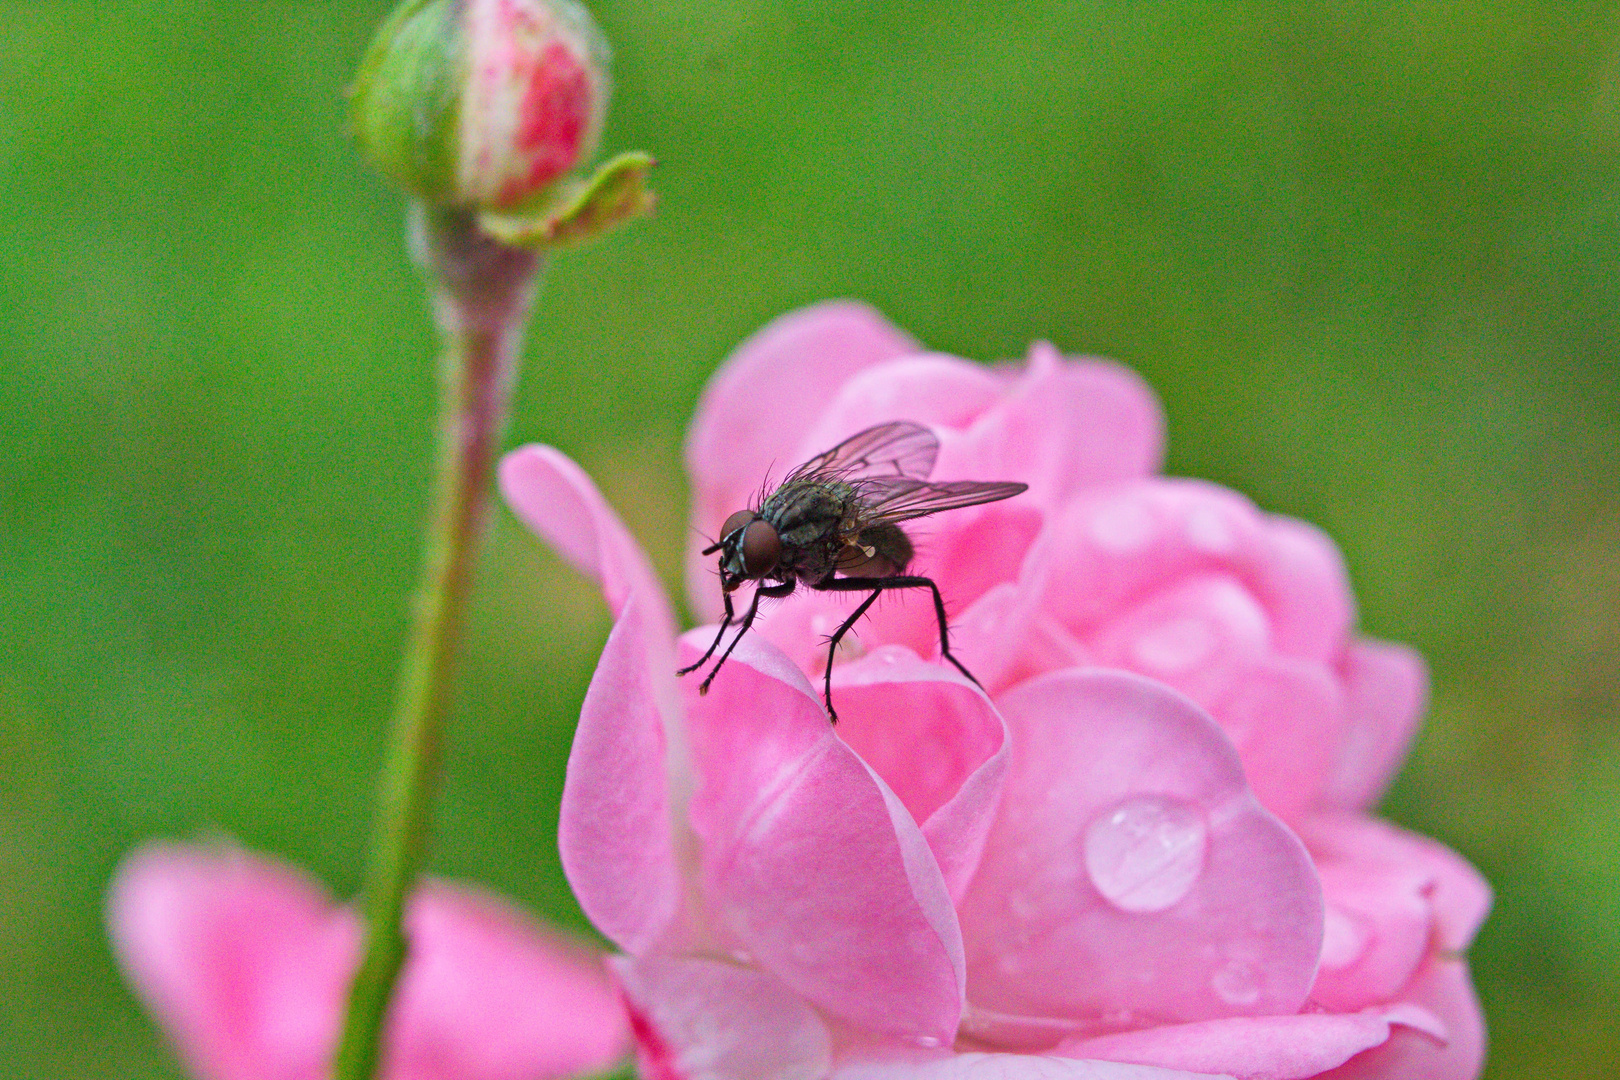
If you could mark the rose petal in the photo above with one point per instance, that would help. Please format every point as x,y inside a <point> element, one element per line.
<point>247,964</point>
<point>1130,867</point>
<point>810,861</point>
<point>938,743</point>
<point>704,1020</point>
<point>1443,988</point>
<point>1200,636</point>
<point>1285,716</point>
<point>1262,1047</point>
<point>615,824</point>
<point>761,403</point>
<point>614,831</point>
<point>556,499</point>
<point>1113,548</point>
<point>1063,425</point>
<point>1458,896</point>
<point>1302,582</point>
<point>244,961</point>
<point>489,995</point>
<point>931,388</point>
<point>1386,687</point>
<point>1004,1067</point>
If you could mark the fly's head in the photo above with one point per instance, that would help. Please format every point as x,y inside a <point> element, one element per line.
<point>749,549</point>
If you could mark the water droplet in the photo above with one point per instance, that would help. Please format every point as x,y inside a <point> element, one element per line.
<point>1237,983</point>
<point>1146,852</point>
<point>741,956</point>
<point>1174,646</point>
<point>927,1042</point>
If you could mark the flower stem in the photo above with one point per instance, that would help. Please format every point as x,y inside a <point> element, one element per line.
<point>481,292</point>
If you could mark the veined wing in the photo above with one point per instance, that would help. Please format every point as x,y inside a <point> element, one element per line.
<point>890,499</point>
<point>893,450</point>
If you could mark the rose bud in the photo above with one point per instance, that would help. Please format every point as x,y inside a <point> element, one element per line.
<point>481,104</point>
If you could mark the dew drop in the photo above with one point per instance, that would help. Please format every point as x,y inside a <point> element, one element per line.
<point>1236,983</point>
<point>741,956</point>
<point>927,1042</point>
<point>1146,852</point>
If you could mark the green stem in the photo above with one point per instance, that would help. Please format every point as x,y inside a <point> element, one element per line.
<point>482,292</point>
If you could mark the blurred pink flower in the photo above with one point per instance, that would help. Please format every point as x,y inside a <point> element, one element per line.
<point>246,964</point>
<point>1143,853</point>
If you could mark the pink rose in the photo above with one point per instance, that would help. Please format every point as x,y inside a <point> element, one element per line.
<point>1141,851</point>
<point>246,963</point>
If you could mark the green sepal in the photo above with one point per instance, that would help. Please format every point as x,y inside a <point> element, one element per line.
<point>581,210</point>
<point>405,104</point>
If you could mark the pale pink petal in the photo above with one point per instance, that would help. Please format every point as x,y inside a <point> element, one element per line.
<point>1302,582</point>
<point>1285,716</point>
<point>489,995</point>
<point>1004,638</point>
<point>1459,897</point>
<point>976,1066</point>
<point>615,830</point>
<point>1063,425</point>
<point>244,961</point>
<point>553,496</point>
<point>939,391</point>
<point>1115,547</point>
<point>760,405</point>
<point>1200,636</point>
<point>1443,988</point>
<point>969,552</point>
<point>705,1020</point>
<point>1263,1047</point>
<point>938,743</point>
<point>1387,688</point>
<point>247,964</point>
<point>809,861</point>
<point>1377,930</point>
<point>1131,869</point>
<point>615,826</point>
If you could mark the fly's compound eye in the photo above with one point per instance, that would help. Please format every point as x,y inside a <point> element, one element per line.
<point>735,522</point>
<point>761,547</point>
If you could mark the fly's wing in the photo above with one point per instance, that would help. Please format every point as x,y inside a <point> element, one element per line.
<point>891,499</point>
<point>893,450</point>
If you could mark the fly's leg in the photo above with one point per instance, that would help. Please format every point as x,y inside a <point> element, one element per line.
<point>880,585</point>
<point>715,644</point>
<point>832,647</point>
<point>774,591</point>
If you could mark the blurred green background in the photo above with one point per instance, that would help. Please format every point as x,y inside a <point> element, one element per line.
<point>1369,253</point>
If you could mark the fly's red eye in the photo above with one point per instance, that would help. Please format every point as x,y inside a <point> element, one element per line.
<point>761,547</point>
<point>735,522</point>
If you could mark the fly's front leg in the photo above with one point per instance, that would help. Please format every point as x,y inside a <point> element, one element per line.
<point>715,644</point>
<point>880,585</point>
<point>773,591</point>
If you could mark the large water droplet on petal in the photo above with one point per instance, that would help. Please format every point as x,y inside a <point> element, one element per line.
<point>1146,852</point>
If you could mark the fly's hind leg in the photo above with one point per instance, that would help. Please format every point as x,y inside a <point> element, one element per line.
<point>880,585</point>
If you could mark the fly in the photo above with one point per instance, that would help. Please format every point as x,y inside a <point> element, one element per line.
<point>834,526</point>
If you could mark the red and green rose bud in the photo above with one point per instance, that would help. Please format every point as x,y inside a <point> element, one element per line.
<point>482,104</point>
